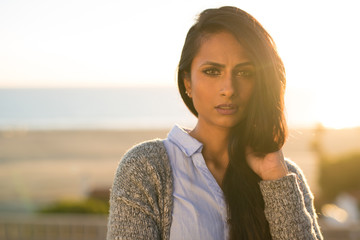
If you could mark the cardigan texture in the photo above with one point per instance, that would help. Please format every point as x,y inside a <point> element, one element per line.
<point>141,199</point>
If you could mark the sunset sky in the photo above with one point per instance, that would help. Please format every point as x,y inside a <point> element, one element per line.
<point>78,43</point>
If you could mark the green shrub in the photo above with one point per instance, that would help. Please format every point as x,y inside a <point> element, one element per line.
<point>340,174</point>
<point>93,206</point>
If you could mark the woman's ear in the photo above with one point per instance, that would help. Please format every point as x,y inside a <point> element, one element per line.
<point>187,84</point>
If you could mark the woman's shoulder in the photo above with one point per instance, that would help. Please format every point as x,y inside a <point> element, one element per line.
<point>148,152</point>
<point>300,177</point>
<point>145,159</point>
<point>293,167</point>
<point>146,148</point>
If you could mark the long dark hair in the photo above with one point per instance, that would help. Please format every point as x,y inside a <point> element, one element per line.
<point>263,128</point>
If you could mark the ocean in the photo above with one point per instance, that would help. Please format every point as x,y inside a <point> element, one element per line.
<point>114,108</point>
<point>92,108</point>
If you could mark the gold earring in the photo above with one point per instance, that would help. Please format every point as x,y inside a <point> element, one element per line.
<point>187,93</point>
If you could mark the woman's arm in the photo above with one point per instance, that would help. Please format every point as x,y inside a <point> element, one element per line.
<point>288,200</point>
<point>138,199</point>
<point>289,206</point>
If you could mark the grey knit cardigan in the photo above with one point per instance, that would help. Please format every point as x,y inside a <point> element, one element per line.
<point>141,199</point>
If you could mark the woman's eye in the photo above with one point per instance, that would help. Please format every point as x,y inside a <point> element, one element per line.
<point>212,72</point>
<point>245,73</point>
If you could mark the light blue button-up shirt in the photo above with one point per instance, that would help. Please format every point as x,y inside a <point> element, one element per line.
<point>200,210</point>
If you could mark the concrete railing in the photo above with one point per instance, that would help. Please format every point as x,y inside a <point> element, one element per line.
<point>93,227</point>
<point>54,227</point>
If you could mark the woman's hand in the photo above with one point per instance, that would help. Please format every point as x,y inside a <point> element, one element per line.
<point>269,167</point>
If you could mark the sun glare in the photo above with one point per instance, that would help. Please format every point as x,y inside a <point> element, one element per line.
<point>338,103</point>
<point>327,74</point>
<point>339,112</point>
<point>65,45</point>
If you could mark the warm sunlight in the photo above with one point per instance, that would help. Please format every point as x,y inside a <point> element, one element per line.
<point>323,92</point>
<point>108,44</point>
<point>321,56</point>
<point>96,116</point>
<point>338,107</point>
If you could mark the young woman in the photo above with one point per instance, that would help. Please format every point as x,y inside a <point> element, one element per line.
<point>226,178</point>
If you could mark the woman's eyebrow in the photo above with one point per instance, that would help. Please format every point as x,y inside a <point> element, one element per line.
<point>223,66</point>
<point>213,64</point>
<point>244,64</point>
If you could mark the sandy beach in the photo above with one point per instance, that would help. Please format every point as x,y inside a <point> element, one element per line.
<point>38,167</point>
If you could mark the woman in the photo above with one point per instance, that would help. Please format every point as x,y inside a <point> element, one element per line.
<point>227,178</point>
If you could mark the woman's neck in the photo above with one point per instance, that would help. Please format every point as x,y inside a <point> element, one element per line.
<point>215,148</point>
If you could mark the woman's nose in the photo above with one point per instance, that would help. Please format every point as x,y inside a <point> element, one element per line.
<point>227,86</point>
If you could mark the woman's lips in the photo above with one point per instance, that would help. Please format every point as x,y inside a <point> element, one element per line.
<point>227,109</point>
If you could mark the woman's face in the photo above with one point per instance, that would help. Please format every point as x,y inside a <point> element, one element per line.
<point>221,80</point>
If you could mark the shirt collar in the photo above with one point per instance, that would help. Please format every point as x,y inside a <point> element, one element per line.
<point>181,138</point>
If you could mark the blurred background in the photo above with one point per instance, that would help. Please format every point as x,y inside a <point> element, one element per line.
<point>83,81</point>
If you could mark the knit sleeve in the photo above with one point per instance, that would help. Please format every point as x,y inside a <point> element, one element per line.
<point>289,207</point>
<point>137,207</point>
